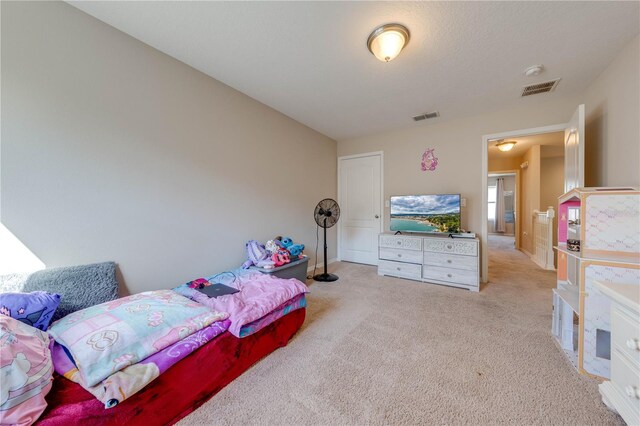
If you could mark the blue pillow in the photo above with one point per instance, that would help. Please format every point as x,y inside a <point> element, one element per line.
<point>35,309</point>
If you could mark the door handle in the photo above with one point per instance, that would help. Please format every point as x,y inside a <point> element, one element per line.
<point>377,217</point>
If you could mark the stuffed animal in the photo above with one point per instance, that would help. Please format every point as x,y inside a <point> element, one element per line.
<point>296,249</point>
<point>278,241</point>
<point>198,283</point>
<point>281,257</point>
<point>257,255</point>
<point>272,247</point>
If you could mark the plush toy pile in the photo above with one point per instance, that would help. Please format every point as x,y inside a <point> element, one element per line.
<point>274,253</point>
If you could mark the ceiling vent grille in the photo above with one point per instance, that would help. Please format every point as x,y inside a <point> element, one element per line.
<point>421,117</point>
<point>534,89</point>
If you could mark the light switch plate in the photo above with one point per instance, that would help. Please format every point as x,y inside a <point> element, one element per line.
<point>463,202</point>
<point>386,203</point>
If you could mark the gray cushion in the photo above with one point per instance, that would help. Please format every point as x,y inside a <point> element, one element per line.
<point>80,286</point>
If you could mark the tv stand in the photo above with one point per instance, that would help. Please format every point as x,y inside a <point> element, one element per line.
<point>435,259</point>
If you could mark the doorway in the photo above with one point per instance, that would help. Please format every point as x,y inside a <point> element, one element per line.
<point>360,186</point>
<point>573,146</point>
<point>523,184</point>
<point>502,212</point>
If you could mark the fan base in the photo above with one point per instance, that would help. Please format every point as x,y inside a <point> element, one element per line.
<point>325,277</point>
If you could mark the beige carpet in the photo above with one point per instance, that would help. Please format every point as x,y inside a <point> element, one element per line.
<point>378,350</point>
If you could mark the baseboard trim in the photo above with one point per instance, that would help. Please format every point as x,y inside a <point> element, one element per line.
<point>321,265</point>
<point>542,266</point>
<point>526,252</point>
<point>533,259</point>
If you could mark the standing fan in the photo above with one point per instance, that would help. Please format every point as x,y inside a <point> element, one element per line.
<point>326,214</point>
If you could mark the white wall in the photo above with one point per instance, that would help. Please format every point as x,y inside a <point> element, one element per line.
<point>500,164</point>
<point>612,140</point>
<point>551,186</point>
<point>530,196</point>
<point>112,150</point>
<point>458,146</point>
<point>613,122</point>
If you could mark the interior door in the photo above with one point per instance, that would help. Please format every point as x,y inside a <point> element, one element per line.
<point>574,151</point>
<point>360,205</point>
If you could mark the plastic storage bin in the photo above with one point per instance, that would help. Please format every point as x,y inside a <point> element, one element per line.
<point>295,269</point>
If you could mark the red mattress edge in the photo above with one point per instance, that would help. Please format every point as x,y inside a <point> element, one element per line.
<point>181,389</point>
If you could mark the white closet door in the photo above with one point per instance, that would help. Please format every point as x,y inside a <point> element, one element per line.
<point>360,205</point>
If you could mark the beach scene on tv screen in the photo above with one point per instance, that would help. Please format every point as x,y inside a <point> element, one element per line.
<point>425,213</point>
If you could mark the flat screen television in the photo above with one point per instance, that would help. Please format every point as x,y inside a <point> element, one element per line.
<point>437,213</point>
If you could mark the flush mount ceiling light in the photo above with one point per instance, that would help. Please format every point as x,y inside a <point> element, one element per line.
<point>534,70</point>
<point>387,41</point>
<point>506,145</point>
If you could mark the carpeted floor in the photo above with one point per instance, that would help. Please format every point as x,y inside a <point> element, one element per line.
<point>379,350</point>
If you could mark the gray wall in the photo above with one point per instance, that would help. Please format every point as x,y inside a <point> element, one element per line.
<point>112,150</point>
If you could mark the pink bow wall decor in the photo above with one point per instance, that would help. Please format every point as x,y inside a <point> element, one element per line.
<point>429,161</point>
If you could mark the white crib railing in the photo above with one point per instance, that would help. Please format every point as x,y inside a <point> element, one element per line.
<point>543,238</point>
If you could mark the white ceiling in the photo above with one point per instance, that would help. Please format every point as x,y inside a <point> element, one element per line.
<point>309,60</point>
<point>552,143</point>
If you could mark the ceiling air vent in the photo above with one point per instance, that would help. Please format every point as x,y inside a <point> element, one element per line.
<point>534,89</point>
<point>421,117</point>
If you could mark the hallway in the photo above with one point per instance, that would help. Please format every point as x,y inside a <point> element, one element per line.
<point>508,266</point>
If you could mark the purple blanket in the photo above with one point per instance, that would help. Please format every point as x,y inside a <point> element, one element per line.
<point>287,307</point>
<point>259,295</point>
<point>126,382</point>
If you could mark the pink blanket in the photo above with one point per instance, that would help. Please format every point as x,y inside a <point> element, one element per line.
<point>259,294</point>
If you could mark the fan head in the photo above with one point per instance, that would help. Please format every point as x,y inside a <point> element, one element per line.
<point>327,213</point>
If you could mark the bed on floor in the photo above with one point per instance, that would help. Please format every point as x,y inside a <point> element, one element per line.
<point>200,345</point>
<point>181,389</point>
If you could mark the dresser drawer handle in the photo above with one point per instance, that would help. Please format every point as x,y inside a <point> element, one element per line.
<point>449,246</point>
<point>449,275</point>
<point>398,268</point>
<point>399,242</point>
<point>633,344</point>
<point>399,255</point>
<point>448,260</point>
<point>632,392</point>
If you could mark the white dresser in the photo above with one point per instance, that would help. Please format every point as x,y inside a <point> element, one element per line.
<point>622,392</point>
<point>435,259</point>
